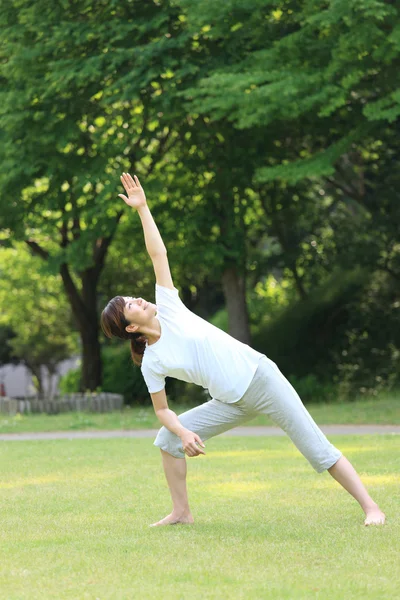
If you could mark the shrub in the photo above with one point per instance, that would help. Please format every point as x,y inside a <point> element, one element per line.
<point>312,390</point>
<point>69,383</point>
<point>120,376</point>
<point>346,333</point>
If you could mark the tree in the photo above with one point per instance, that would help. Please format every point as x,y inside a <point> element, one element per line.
<point>33,306</point>
<point>89,77</point>
<point>70,126</point>
<point>327,77</point>
<point>322,83</point>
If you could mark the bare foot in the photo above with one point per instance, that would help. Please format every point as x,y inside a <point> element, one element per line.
<point>173,519</point>
<point>374,516</point>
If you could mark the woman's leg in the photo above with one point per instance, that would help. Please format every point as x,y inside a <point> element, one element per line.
<point>277,398</point>
<point>207,420</point>
<point>175,470</point>
<point>345,474</point>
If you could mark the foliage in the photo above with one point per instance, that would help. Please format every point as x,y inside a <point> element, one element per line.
<point>120,376</point>
<point>33,306</point>
<point>349,333</point>
<point>311,389</point>
<point>266,136</point>
<point>300,59</point>
<point>69,383</point>
<point>367,351</point>
<point>81,103</point>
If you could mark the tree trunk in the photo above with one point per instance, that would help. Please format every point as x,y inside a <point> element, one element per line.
<point>91,359</point>
<point>235,295</point>
<point>91,352</point>
<point>36,372</point>
<point>298,282</point>
<point>84,303</point>
<point>53,381</point>
<point>84,309</point>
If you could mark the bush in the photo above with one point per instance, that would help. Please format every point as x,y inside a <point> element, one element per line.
<point>346,333</point>
<point>120,376</point>
<point>368,355</point>
<point>312,390</point>
<point>69,383</point>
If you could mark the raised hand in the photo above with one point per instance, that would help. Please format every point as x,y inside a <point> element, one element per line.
<point>136,196</point>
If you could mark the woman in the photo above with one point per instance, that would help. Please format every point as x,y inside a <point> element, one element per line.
<point>167,339</point>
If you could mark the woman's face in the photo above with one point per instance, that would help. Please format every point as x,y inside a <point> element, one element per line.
<point>138,311</point>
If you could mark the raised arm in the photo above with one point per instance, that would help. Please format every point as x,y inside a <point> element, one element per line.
<point>153,240</point>
<point>137,199</point>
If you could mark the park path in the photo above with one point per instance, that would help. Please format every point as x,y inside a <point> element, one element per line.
<point>237,431</point>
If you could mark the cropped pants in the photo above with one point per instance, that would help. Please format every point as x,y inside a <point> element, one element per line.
<point>269,393</point>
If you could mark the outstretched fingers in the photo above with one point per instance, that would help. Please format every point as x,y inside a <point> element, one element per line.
<point>128,182</point>
<point>131,183</point>
<point>124,182</point>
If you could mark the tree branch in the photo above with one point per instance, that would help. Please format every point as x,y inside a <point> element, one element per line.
<point>76,228</point>
<point>160,151</point>
<point>101,246</point>
<point>146,111</point>
<point>64,234</point>
<point>347,191</point>
<point>77,305</point>
<point>76,224</point>
<point>36,249</point>
<point>391,272</point>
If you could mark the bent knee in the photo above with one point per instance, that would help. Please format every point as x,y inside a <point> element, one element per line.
<point>169,442</point>
<point>327,463</point>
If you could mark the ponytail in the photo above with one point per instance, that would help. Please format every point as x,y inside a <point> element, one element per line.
<point>138,346</point>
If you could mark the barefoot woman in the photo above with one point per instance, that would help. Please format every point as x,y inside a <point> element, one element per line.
<point>167,339</point>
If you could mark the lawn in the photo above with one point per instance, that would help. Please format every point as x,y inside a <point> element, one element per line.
<point>75,516</point>
<point>384,410</point>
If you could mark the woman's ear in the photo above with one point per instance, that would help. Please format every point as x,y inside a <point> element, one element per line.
<point>131,328</point>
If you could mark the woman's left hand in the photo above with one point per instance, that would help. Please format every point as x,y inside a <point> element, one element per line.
<point>189,443</point>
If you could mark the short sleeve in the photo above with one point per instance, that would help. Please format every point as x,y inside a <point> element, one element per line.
<point>168,301</point>
<point>155,381</point>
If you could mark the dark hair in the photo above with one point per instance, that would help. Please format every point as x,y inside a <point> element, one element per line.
<point>113,322</point>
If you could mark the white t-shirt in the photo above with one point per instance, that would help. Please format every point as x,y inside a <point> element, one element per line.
<point>193,350</point>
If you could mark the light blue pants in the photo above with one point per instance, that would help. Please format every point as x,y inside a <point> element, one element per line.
<point>269,393</point>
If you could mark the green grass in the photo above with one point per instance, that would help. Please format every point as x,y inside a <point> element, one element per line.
<point>384,410</point>
<point>75,518</point>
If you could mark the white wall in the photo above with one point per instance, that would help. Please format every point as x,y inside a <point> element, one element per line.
<point>17,379</point>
